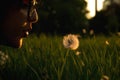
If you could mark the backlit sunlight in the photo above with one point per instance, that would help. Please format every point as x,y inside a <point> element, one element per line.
<point>91,7</point>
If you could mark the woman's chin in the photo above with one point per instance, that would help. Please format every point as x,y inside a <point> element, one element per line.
<point>16,43</point>
<point>19,44</point>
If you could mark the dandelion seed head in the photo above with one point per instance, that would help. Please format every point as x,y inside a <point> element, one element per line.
<point>71,41</point>
<point>3,58</point>
<point>104,77</point>
<point>77,53</point>
<point>84,31</point>
<point>107,42</point>
<point>6,56</point>
<point>91,32</point>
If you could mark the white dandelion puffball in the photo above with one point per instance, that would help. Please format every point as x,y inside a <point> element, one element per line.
<point>71,41</point>
<point>104,77</point>
<point>3,58</point>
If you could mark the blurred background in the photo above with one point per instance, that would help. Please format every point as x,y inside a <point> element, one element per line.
<point>74,16</point>
<point>43,57</point>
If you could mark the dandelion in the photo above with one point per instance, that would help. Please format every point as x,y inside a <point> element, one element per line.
<point>84,31</point>
<point>107,42</point>
<point>104,77</point>
<point>71,41</point>
<point>3,58</point>
<point>77,53</point>
<point>91,32</point>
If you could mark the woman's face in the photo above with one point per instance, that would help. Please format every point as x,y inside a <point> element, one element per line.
<point>18,23</point>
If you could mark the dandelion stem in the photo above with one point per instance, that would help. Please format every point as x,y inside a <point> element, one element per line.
<point>34,71</point>
<point>63,65</point>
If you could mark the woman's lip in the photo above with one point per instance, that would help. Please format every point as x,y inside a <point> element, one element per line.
<point>25,34</point>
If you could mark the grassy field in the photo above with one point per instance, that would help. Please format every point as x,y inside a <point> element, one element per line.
<point>44,58</point>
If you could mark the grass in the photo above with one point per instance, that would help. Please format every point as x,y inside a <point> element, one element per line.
<point>44,58</point>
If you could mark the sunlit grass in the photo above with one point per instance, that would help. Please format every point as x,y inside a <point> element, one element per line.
<point>42,57</point>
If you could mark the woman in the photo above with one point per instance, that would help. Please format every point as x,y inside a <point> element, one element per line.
<point>16,19</point>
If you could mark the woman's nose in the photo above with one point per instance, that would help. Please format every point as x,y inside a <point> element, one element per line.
<point>33,16</point>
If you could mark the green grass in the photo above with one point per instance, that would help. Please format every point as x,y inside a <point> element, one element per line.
<point>44,58</point>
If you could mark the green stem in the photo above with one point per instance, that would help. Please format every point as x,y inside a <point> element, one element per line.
<point>34,71</point>
<point>63,65</point>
